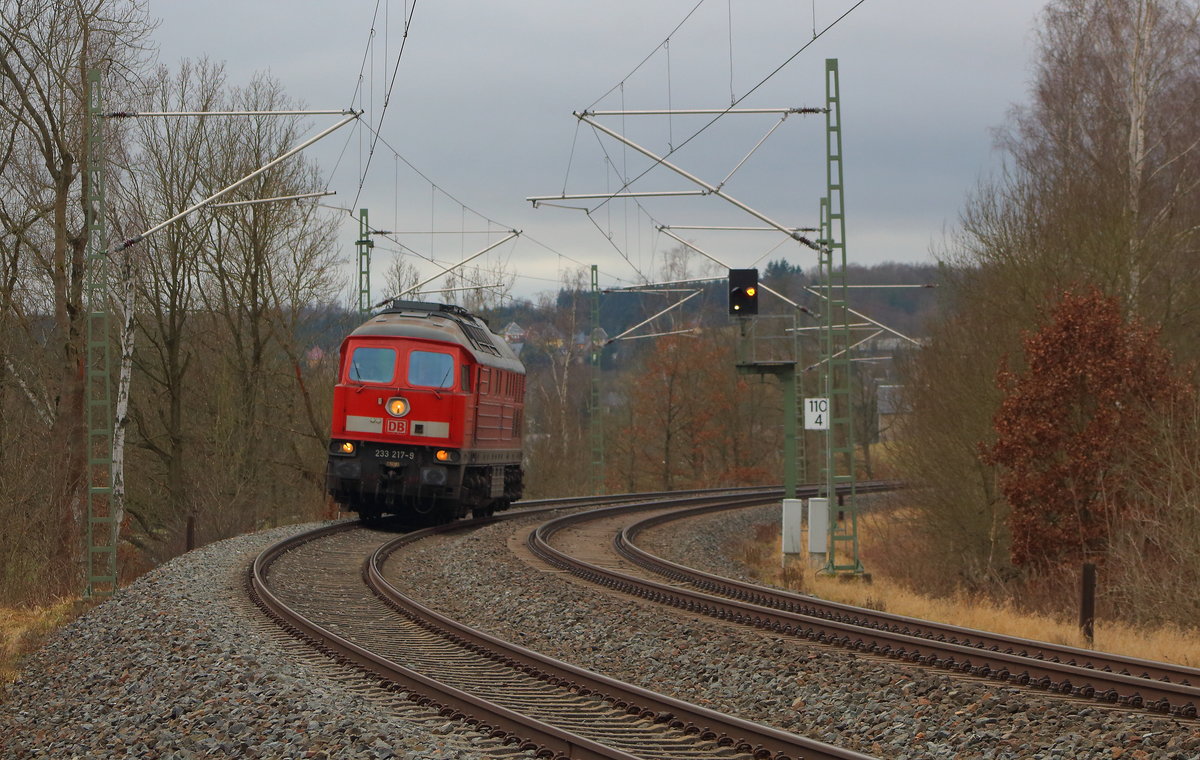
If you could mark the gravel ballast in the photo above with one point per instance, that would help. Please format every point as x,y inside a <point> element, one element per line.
<point>870,705</point>
<point>181,665</point>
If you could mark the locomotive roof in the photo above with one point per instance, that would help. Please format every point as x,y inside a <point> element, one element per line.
<point>445,323</point>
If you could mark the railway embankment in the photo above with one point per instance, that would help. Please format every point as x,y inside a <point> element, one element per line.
<point>180,664</point>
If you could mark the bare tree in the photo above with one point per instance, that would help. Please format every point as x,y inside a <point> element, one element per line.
<point>164,174</point>
<point>1099,190</point>
<point>1110,140</point>
<point>48,49</point>
<point>556,395</point>
<point>261,267</point>
<point>481,287</point>
<point>400,277</point>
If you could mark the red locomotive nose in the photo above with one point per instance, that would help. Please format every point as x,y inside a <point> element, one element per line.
<point>429,409</point>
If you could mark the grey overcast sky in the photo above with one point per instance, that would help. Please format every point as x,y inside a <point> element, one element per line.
<point>484,94</point>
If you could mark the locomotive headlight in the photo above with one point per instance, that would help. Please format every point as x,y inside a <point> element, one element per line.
<point>347,447</point>
<point>442,455</point>
<point>397,407</point>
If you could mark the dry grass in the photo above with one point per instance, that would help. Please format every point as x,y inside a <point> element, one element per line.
<point>22,630</point>
<point>762,553</point>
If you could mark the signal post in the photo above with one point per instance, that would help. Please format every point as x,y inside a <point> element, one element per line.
<point>743,304</point>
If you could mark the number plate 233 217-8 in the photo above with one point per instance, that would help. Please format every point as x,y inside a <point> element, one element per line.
<point>395,454</point>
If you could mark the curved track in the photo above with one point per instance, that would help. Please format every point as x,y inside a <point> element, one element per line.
<point>1139,684</point>
<point>509,693</point>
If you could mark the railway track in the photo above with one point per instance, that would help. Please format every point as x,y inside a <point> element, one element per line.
<point>318,586</point>
<point>1130,682</point>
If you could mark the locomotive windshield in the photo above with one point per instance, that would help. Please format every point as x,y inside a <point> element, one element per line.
<point>373,365</point>
<point>430,370</point>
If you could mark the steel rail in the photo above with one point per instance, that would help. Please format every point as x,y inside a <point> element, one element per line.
<point>453,703</point>
<point>726,730</point>
<point>971,637</point>
<point>1166,697</point>
<point>495,720</point>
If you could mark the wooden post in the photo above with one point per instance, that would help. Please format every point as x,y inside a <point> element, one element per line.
<point>1087,603</point>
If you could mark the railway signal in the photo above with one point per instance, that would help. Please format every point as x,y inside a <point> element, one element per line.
<point>743,292</point>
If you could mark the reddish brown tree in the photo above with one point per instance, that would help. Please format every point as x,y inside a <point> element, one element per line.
<point>1069,425</point>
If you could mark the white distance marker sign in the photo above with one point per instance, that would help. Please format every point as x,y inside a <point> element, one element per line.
<point>816,414</point>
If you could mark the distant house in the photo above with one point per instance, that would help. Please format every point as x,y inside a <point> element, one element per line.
<point>546,334</point>
<point>314,356</point>
<point>514,333</point>
<point>892,409</point>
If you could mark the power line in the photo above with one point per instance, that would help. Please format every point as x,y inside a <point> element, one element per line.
<point>366,53</point>
<point>387,98</point>
<point>651,55</point>
<point>358,84</point>
<point>397,155</point>
<point>715,119</point>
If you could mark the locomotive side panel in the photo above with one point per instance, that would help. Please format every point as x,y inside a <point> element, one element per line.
<point>501,407</point>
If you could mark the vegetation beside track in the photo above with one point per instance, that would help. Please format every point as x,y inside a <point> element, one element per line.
<point>761,553</point>
<point>23,629</point>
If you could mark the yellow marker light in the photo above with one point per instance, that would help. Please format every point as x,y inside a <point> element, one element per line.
<point>397,407</point>
<point>442,455</point>
<point>347,447</point>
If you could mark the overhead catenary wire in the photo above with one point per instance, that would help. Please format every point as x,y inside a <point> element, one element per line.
<point>428,280</point>
<point>366,52</point>
<point>435,186</point>
<point>729,8</point>
<point>405,249</point>
<point>622,253</point>
<point>748,93</point>
<point>661,160</point>
<point>355,94</point>
<point>657,224</point>
<point>387,98</point>
<point>377,139</point>
<point>764,286</point>
<point>651,54</point>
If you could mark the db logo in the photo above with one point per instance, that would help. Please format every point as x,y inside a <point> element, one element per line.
<point>396,427</point>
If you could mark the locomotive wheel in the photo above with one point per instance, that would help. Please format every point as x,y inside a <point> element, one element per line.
<point>425,509</point>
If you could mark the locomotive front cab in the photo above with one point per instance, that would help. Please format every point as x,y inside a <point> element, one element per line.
<point>397,427</point>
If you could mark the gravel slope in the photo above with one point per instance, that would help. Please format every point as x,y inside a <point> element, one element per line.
<point>180,665</point>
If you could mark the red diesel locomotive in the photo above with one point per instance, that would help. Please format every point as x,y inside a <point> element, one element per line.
<point>427,416</point>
